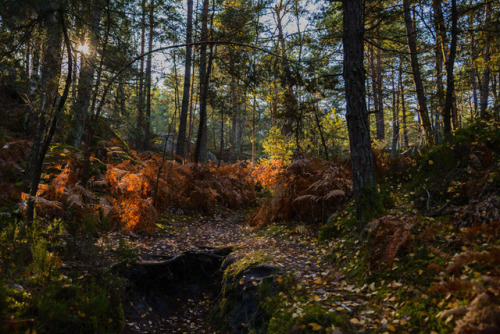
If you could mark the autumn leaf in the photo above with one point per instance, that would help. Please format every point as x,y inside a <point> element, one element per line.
<point>315,326</point>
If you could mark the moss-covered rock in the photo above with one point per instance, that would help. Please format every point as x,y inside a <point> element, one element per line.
<point>247,282</point>
<point>460,170</point>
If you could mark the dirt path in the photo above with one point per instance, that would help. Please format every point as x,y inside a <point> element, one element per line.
<point>297,254</point>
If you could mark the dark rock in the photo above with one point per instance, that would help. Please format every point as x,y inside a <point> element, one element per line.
<point>239,307</point>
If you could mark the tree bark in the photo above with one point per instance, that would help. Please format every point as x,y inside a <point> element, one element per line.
<point>403,109</point>
<point>421,98</point>
<point>254,108</point>
<point>440,55</point>
<point>366,194</point>
<point>320,130</point>
<point>290,101</point>
<point>484,93</point>
<point>200,152</point>
<point>395,116</point>
<point>52,69</point>
<point>147,121</point>
<point>49,84</point>
<point>181,138</point>
<point>379,115</point>
<point>86,77</point>
<point>140,97</point>
<point>473,70</point>
<point>450,63</point>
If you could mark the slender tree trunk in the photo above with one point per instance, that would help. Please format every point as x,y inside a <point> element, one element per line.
<point>450,79</point>
<point>181,138</point>
<point>371,55</point>
<point>191,114</point>
<point>403,107</point>
<point>221,134</point>
<point>379,115</point>
<point>94,107</point>
<point>254,108</point>
<point>320,130</point>
<point>473,70</point>
<point>439,80</point>
<point>421,98</point>
<point>147,121</point>
<point>27,63</point>
<point>378,102</point>
<point>199,154</point>
<point>140,97</point>
<point>241,124</point>
<point>49,84</point>
<point>51,71</point>
<point>87,71</point>
<point>290,101</point>
<point>395,116</point>
<point>234,122</point>
<point>366,194</point>
<point>484,93</point>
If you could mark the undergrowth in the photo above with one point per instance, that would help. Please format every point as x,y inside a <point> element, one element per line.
<point>40,292</point>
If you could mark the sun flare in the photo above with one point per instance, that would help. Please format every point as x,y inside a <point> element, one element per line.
<point>83,48</point>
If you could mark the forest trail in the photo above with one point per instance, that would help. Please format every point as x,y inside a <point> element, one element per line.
<point>297,252</point>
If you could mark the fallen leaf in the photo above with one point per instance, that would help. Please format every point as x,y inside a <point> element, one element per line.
<point>315,326</point>
<point>391,328</point>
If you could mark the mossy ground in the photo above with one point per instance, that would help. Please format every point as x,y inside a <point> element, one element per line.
<point>39,292</point>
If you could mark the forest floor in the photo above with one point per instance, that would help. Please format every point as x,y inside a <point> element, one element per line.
<point>296,250</point>
<point>430,264</point>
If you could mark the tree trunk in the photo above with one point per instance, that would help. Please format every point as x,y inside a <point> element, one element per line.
<point>366,194</point>
<point>379,115</point>
<point>51,69</point>
<point>421,98</point>
<point>234,121</point>
<point>320,130</point>
<point>140,97</point>
<point>484,93</point>
<point>450,79</point>
<point>181,138</point>
<point>439,74</point>
<point>473,70</point>
<point>200,151</point>
<point>86,77</point>
<point>241,123</point>
<point>395,116</point>
<point>403,107</point>
<point>290,101</point>
<point>147,121</point>
<point>254,108</point>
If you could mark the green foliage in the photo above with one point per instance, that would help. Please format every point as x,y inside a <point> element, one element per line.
<point>125,250</point>
<point>342,223</point>
<point>36,285</point>
<point>454,171</point>
<point>277,145</point>
<point>3,299</point>
<point>368,206</point>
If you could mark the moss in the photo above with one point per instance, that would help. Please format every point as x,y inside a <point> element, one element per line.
<point>235,269</point>
<point>35,285</point>
<point>239,303</point>
<point>293,311</point>
<point>341,223</point>
<point>445,174</point>
<point>368,206</point>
